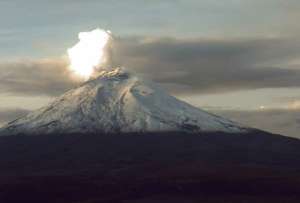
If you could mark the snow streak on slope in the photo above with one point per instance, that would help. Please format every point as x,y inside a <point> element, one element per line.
<point>118,101</point>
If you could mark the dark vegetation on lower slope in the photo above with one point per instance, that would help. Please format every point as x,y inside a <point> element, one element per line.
<point>156,167</point>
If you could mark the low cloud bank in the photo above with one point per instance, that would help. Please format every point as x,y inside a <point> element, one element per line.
<point>281,121</point>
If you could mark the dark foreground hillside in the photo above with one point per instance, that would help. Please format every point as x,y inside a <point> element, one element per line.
<point>172,167</point>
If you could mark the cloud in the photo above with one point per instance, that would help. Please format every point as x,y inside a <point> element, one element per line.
<point>280,121</point>
<point>213,65</point>
<point>35,77</point>
<point>183,66</point>
<point>7,115</point>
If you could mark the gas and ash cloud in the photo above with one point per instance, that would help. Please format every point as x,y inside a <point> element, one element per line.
<point>91,52</point>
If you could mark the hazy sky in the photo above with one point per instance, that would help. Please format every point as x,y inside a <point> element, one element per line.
<point>237,57</point>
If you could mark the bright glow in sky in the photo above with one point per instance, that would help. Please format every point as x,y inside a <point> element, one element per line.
<point>89,52</point>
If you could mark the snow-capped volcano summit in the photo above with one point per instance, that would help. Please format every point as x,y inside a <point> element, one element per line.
<point>118,101</point>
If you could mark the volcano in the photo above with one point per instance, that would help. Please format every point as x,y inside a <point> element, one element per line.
<point>162,150</point>
<point>117,101</point>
